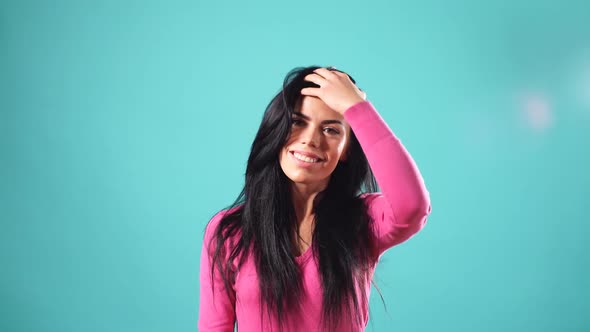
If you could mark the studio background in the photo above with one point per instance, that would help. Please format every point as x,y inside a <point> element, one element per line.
<point>125,125</point>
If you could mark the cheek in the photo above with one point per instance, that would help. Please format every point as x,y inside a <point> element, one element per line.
<point>340,146</point>
<point>290,139</point>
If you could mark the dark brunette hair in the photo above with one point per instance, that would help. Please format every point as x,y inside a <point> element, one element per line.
<point>263,221</point>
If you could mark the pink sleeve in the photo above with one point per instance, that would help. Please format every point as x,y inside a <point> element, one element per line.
<point>402,207</point>
<point>216,308</point>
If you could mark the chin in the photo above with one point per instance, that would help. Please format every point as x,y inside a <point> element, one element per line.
<point>305,179</point>
<point>300,178</point>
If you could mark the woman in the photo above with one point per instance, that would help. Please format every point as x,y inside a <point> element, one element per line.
<point>297,250</point>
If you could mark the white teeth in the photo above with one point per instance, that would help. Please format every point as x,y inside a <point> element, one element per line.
<point>305,158</point>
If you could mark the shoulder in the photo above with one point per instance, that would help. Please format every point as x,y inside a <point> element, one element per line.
<point>369,197</point>
<point>372,199</point>
<point>378,208</point>
<point>214,221</point>
<point>211,230</point>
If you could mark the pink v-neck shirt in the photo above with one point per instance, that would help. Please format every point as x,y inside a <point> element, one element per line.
<point>399,211</point>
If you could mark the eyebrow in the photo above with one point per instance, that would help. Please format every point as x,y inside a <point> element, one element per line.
<point>301,115</point>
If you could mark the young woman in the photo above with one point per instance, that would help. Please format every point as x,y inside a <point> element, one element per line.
<point>297,250</point>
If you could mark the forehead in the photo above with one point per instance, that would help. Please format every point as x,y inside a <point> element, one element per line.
<point>315,108</point>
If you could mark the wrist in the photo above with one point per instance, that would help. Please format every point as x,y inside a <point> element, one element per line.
<point>351,104</point>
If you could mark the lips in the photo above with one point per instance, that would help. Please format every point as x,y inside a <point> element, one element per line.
<point>307,154</point>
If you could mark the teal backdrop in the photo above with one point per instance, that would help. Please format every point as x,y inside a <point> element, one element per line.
<point>125,125</point>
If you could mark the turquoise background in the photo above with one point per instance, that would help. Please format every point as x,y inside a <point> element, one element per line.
<point>125,126</point>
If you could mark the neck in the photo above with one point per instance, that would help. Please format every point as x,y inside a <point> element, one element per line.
<point>303,196</point>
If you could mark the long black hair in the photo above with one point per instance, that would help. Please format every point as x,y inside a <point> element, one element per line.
<point>263,221</point>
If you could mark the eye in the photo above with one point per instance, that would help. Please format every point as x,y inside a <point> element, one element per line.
<point>331,131</point>
<point>297,122</point>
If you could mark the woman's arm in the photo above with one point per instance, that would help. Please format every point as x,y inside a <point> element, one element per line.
<point>402,207</point>
<point>216,307</point>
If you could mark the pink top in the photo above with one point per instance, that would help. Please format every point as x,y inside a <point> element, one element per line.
<point>399,211</point>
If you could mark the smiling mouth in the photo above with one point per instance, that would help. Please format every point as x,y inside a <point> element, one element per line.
<point>304,158</point>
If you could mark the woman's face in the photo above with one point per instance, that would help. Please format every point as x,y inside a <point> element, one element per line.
<point>318,140</point>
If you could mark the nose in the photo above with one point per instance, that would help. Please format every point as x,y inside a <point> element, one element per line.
<point>311,136</point>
